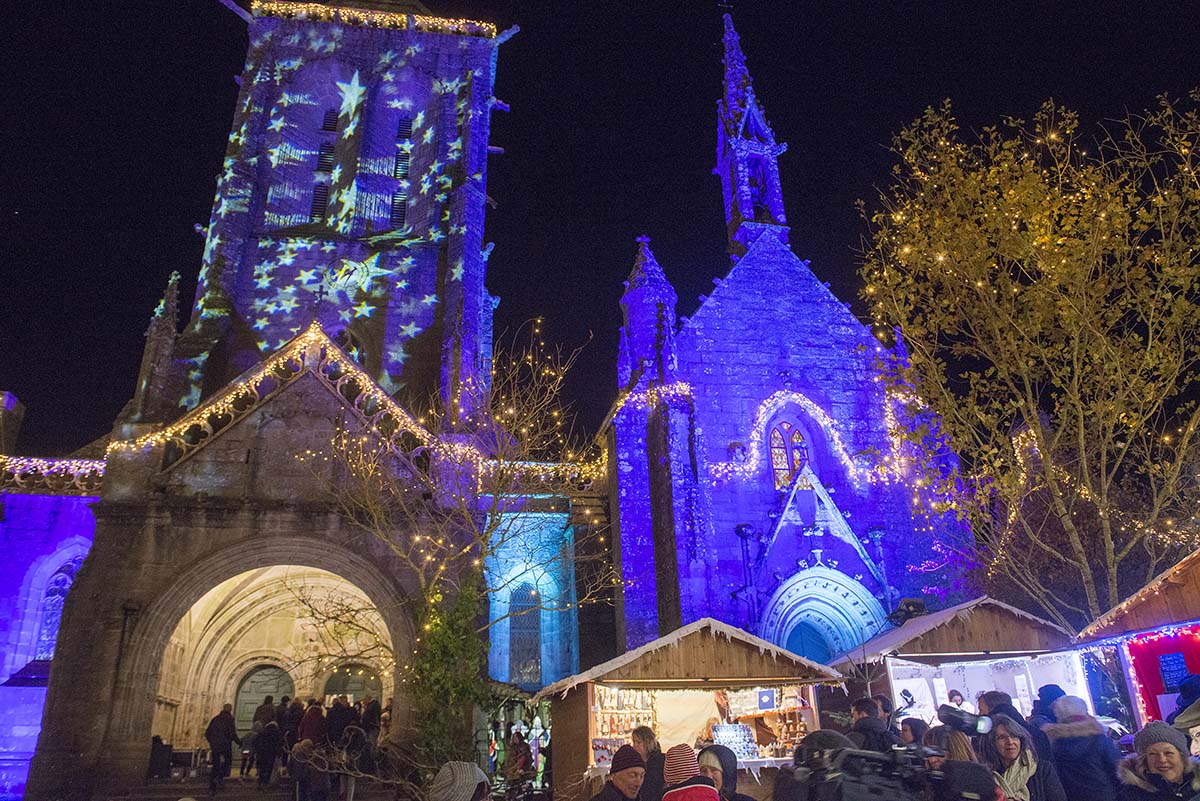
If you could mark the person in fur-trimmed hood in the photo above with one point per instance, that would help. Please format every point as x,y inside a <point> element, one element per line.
<point>1086,759</point>
<point>1161,769</point>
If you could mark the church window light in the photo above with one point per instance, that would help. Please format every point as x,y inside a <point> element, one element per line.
<point>325,157</point>
<point>320,203</point>
<point>401,168</point>
<point>525,637</point>
<point>789,453</point>
<point>329,123</point>
<point>52,606</point>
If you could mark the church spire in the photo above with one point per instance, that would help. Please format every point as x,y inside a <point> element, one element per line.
<point>647,339</point>
<point>151,399</point>
<point>747,156</point>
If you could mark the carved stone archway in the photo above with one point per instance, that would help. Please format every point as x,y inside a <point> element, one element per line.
<point>827,601</point>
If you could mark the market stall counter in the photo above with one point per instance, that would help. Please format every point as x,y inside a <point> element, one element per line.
<point>704,682</point>
<point>979,645</point>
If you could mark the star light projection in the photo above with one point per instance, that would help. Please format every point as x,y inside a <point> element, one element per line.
<point>334,200</point>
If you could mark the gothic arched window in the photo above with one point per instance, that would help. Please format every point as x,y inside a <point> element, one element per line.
<point>789,453</point>
<point>525,637</point>
<point>50,611</point>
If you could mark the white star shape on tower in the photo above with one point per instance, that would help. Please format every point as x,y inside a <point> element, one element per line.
<point>352,94</point>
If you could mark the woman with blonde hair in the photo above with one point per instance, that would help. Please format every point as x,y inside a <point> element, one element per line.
<point>645,742</point>
<point>954,744</point>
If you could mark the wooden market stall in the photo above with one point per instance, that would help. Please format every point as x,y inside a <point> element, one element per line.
<point>706,679</point>
<point>975,646</point>
<point>1155,634</point>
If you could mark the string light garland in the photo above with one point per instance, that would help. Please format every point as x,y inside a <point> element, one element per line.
<point>371,18</point>
<point>25,474</point>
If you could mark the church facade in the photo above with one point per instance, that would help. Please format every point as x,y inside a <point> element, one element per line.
<point>752,468</point>
<point>343,282</point>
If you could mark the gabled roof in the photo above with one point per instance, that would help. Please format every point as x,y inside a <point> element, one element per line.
<point>902,641</point>
<point>311,352</point>
<point>1170,597</point>
<point>762,663</point>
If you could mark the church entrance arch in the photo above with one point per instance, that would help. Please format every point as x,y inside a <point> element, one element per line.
<point>820,613</point>
<point>256,685</point>
<point>148,608</point>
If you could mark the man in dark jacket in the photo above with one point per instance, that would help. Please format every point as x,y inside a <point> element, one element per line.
<point>268,745</point>
<point>719,763</point>
<point>370,719</point>
<point>869,732</point>
<point>265,712</point>
<point>221,735</point>
<point>341,715</point>
<point>625,776</point>
<point>1086,759</point>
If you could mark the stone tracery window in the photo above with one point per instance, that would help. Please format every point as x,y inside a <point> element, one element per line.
<point>789,453</point>
<point>50,611</point>
<point>525,637</point>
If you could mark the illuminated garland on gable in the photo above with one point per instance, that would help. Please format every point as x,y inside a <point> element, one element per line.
<point>57,476</point>
<point>372,19</point>
<point>756,452</point>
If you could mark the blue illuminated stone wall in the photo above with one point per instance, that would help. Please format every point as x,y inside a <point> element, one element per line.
<point>39,535</point>
<point>534,559</point>
<point>809,538</point>
<point>352,193</point>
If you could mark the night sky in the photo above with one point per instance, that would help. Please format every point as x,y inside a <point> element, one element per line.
<point>115,118</point>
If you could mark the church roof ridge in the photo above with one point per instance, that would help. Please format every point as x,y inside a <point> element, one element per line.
<point>372,15</point>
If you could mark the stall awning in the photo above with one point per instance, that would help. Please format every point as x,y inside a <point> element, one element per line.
<point>980,629</point>
<point>1171,597</point>
<point>704,654</point>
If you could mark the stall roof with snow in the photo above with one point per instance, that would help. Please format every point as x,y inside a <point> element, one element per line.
<point>980,629</point>
<point>1171,597</point>
<point>700,655</point>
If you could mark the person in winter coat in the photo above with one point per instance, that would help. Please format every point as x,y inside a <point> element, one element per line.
<point>221,735</point>
<point>681,771</point>
<point>265,712</point>
<point>625,776</point>
<point>341,715</point>
<point>646,743</point>
<point>312,782</point>
<point>1021,773</point>
<point>995,702</point>
<point>1085,758</point>
<point>312,725</point>
<point>372,711</point>
<point>267,747</point>
<point>459,781</point>
<point>1161,768</point>
<point>1189,694</point>
<point>719,764</point>
<point>868,731</point>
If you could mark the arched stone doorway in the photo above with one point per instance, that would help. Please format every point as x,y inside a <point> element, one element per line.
<point>262,681</point>
<point>355,681</point>
<point>118,623</point>
<point>820,613</point>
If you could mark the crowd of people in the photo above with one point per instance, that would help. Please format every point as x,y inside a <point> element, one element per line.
<point>288,735</point>
<point>1059,752</point>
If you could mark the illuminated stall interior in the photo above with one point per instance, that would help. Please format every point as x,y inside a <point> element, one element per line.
<point>707,681</point>
<point>274,631</point>
<point>1154,635</point>
<point>973,647</point>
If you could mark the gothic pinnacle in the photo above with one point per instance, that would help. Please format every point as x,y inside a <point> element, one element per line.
<point>738,84</point>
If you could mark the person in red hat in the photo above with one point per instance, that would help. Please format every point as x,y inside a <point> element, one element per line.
<point>681,771</point>
<point>625,776</point>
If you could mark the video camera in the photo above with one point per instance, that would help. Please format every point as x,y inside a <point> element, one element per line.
<point>903,774</point>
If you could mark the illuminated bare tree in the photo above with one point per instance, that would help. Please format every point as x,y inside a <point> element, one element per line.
<point>1047,291</point>
<point>473,501</point>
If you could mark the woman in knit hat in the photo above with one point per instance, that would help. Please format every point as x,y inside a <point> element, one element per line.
<point>626,773</point>
<point>719,763</point>
<point>459,781</point>
<point>1162,767</point>
<point>681,771</point>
